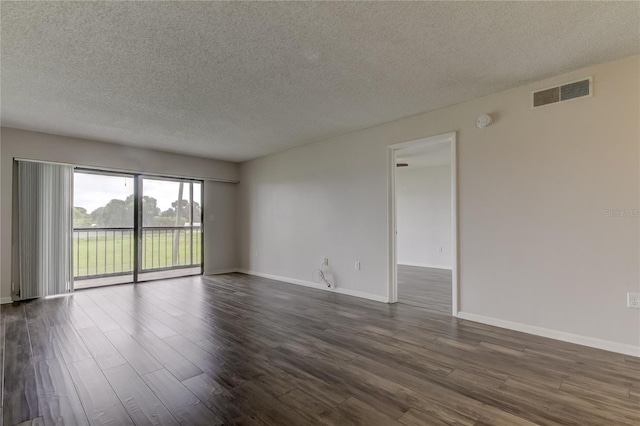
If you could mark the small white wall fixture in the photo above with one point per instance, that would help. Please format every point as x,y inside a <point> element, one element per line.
<point>392,292</point>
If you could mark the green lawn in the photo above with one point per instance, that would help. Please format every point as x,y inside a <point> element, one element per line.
<point>112,252</point>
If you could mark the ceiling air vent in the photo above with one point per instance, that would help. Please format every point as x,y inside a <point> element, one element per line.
<point>565,92</point>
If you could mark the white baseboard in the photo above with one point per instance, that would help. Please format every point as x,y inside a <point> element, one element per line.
<point>510,325</point>
<point>310,284</point>
<point>5,300</point>
<point>554,334</point>
<point>221,271</point>
<point>424,265</point>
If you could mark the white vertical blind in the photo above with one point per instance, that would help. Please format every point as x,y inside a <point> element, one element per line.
<point>45,229</point>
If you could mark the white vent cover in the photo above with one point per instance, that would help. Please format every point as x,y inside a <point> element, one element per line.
<point>575,89</point>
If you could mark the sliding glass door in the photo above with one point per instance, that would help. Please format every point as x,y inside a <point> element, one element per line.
<point>171,232</point>
<point>112,245</point>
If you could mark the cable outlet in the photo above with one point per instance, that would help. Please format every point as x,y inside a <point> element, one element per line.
<point>325,262</point>
<point>633,300</point>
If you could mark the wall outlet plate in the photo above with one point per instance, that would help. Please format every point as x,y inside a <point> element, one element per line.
<point>633,300</point>
<point>325,262</point>
<point>357,265</point>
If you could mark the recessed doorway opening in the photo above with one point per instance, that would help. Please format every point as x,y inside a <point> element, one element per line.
<point>423,224</point>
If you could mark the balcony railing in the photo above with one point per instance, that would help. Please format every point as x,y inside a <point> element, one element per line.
<point>104,252</point>
<point>171,247</point>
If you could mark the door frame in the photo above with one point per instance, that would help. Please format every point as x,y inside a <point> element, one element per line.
<point>138,193</point>
<point>392,291</point>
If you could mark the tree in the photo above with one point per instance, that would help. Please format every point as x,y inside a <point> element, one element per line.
<point>164,221</point>
<point>97,217</point>
<point>170,212</point>
<point>184,210</point>
<point>197,212</point>
<point>119,213</point>
<point>81,219</point>
<point>150,210</point>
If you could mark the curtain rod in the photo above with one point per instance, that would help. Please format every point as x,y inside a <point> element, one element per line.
<point>126,171</point>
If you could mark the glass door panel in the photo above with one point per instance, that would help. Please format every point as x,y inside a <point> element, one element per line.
<point>103,233</point>
<point>170,238</point>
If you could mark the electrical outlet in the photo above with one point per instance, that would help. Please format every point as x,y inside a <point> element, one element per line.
<point>325,262</point>
<point>633,300</point>
<point>441,249</point>
<point>357,265</point>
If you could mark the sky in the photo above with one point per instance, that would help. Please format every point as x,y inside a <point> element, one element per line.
<point>92,191</point>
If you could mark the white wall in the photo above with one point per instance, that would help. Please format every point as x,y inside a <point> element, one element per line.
<point>220,244</point>
<point>536,247</point>
<point>423,206</point>
<point>45,147</point>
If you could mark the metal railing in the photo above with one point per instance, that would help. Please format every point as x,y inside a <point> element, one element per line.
<point>104,252</point>
<point>170,247</point>
<point>101,252</point>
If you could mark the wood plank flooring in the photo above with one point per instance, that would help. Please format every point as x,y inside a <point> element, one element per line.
<point>428,288</point>
<point>236,349</point>
<point>80,284</point>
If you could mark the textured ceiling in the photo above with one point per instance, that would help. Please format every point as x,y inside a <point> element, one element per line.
<point>238,80</point>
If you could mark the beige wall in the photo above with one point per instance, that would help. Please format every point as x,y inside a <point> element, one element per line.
<point>220,247</point>
<point>536,246</point>
<point>44,147</point>
<point>423,216</point>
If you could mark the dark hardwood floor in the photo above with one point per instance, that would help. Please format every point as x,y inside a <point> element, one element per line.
<point>428,288</point>
<point>235,349</point>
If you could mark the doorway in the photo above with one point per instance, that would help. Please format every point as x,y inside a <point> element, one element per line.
<point>131,228</point>
<point>423,224</point>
